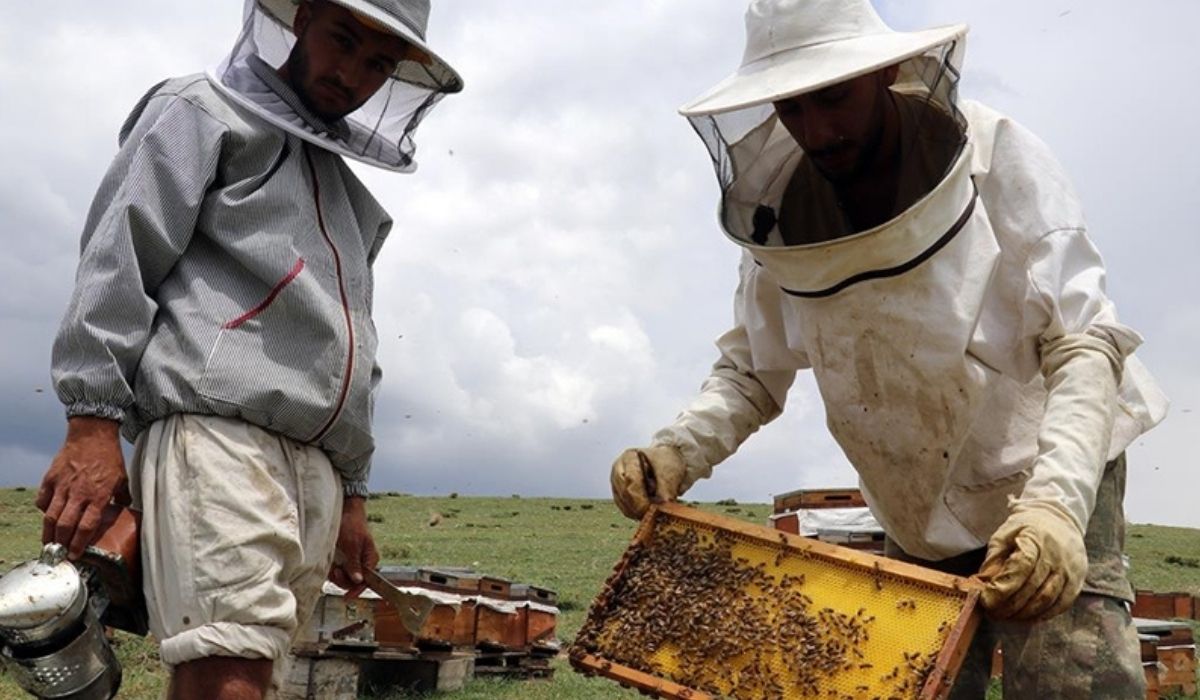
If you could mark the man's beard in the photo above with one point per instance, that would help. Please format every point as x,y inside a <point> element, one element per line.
<point>298,72</point>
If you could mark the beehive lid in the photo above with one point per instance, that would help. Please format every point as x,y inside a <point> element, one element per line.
<point>707,606</point>
<point>819,498</point>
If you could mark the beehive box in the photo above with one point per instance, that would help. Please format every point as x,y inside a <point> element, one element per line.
<point>866,540</point>
<point>464,625</point>
<point>1175,651</point>
<point>496,587</point>
<point>501,625</point>
<point>459,581</point>
<point>390,632</point>
<point>1165,606</point>
<point>819,498</point>
<point>1148,646</point>
<point>541,621</point>
<point>340,621</point>
<point>704,606</point>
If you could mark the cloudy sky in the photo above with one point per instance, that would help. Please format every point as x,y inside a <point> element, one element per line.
<point>556,277</point>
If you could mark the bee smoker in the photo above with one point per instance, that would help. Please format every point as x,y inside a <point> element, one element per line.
<point>53,614</point>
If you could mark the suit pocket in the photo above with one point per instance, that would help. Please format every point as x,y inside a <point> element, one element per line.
<point>981,508</point>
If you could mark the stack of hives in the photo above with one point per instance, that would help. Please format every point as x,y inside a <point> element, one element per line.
<point>479,624</point>
<point>1168,648</point>
<point>837,516</point>
<point>1168,657</point>
<point>706,606</point>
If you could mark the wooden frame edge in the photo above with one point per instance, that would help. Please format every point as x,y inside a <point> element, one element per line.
<point>638,680</point>
<point>844,555</point>
<point>945,670</point>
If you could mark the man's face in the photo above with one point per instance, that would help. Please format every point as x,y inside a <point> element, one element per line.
<point>338,62</point>
<point>840,127</point>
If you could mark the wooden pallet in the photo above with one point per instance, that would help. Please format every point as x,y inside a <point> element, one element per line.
<point>513,665</point>
<point>884,582</point>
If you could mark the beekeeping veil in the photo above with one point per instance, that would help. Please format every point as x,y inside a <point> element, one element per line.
<point>794,47</point>
<point>884,316</point>
<point>380,132</point>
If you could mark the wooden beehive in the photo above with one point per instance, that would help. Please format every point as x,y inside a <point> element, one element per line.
<point>535,594</point>
<point>1165,606</point>
<point>1175,651</point>
<point>541,620</point>
<point>457,581</point>
<point>501,627</point>
<point>464,625</point>
<point>401,575</point>
<point>390,632</point>
<point>438,629</point>
<point>866,540</point>
<point>461,582</point>
<point>338,621</point>
<point>809,499</point>
<point>704,606</point>
<point>1148,647</point>
<point>495,587</point>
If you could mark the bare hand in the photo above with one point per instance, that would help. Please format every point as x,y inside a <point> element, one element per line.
<point>86,475</point>
<point>355,546</point>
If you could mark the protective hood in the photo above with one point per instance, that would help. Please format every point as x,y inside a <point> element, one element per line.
<point>772,196</point>
<point>378,133</point>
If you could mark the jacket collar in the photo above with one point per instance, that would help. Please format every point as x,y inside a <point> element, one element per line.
<point>270,78</point>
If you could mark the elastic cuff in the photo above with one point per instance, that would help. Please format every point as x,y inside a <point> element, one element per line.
<point>95,410</point>
<point>225,639</point>
<point>355,488</point>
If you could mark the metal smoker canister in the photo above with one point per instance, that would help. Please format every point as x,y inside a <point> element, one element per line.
<point>53,644</point>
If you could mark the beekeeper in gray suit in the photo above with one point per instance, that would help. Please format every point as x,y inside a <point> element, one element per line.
<point>928,260</point>
<point>222,320</point>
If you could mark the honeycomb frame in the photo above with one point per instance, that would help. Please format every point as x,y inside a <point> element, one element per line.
<point>837,577</point>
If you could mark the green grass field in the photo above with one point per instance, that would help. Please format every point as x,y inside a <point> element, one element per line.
<point>567,545</point>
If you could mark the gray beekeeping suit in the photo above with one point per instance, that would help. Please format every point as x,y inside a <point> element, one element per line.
<point>226,260</point>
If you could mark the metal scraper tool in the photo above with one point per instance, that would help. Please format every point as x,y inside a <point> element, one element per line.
<point>413,609</point>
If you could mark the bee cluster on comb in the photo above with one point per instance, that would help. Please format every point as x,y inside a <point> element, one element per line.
<point>723,616</point>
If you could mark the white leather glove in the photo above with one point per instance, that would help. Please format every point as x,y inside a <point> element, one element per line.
<point>648,475</point>
<point>1036,560</point>
<point>1035,565</point>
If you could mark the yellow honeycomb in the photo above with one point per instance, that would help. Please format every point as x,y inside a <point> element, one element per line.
<point>904,624</point>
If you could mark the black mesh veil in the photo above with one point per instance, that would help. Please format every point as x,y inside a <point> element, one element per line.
<point>757,161</point>
<point>380,132</point>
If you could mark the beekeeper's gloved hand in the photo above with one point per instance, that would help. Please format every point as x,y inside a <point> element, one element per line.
<point>647,475</point>
<point>1036,560</point>
<point>1035,565</point>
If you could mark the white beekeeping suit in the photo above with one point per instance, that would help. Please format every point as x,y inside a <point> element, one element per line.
<point>380,132</point>
<point>965,349</point>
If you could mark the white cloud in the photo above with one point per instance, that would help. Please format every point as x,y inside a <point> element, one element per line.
<point>556,258</point>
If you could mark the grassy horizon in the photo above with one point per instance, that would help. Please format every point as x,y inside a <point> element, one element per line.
<point>565,544</point>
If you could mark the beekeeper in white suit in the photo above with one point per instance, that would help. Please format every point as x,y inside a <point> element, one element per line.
<point>928,260</point>
<point>222,320</point>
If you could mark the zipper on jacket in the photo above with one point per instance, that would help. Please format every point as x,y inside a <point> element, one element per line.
<point>337,265</point>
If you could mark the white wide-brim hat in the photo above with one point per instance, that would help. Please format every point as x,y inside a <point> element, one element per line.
<point>798,46</point>
<point>407,19</point>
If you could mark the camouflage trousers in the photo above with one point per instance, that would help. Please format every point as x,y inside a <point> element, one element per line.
<point>1090,651</point>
